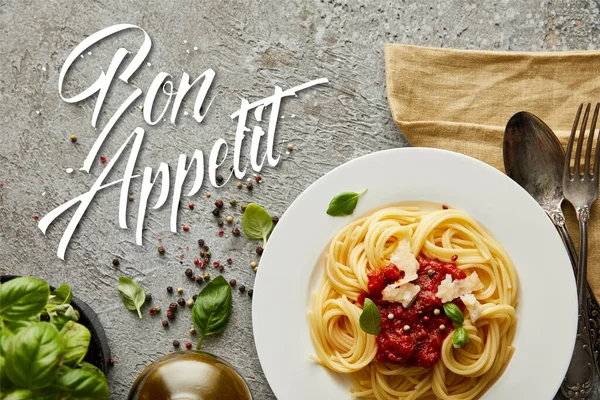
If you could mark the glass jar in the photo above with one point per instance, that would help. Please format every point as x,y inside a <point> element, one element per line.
<point>189,375</point>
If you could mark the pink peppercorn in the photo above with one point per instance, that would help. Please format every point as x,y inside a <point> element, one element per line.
<point>191,206</point>
<point>188,346</point>
<point>102,159</point>
<point>221,233</point>
<point>186,228</point>
<point>196,261</point>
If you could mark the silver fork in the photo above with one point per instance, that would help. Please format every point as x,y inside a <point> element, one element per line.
<point>581,189</point>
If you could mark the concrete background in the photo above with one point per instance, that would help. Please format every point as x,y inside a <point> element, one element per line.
<point>252,45</point>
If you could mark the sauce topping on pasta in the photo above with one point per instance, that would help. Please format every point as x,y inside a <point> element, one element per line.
<point>414,335</point>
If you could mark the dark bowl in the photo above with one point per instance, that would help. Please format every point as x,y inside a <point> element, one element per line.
<point>98,353</point>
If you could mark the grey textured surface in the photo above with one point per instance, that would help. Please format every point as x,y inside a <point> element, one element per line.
<point>252,45</point>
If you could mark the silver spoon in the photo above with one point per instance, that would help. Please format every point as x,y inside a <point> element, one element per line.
<point>534,158</point>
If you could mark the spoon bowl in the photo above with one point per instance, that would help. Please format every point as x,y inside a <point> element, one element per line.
<point>534,158</point>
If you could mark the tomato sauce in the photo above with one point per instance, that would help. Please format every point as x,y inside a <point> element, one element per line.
<point>413,337</point>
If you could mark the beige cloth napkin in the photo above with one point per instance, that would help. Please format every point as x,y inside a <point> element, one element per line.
<point>461,100</point>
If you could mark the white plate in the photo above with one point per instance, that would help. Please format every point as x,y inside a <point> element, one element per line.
<point>547,309</point>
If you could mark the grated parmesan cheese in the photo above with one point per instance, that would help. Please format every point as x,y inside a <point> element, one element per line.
<point>404,259</point>
<point>449,289</point>
<point>404,294</point>
<point>472,305</point>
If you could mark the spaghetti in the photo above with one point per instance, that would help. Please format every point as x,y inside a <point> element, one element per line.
<point>445,236</point>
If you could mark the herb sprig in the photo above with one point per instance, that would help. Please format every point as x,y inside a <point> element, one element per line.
<point>42,359</point>
<point>460,337</point>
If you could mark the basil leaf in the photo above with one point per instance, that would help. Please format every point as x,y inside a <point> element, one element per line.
<point>4,381</point>
<point>34,357</point>
<point>460,337</point>
<point>25,394</point>
<point>61,295</point>
<point>19,394</point>
<point>370,319</point>
<point>23,297</point>
<point>256,222</point>
<point>5,341</point>
<point>132,294</point>
<point>16,325</point>
<point>87,382</point>
<point>454,313</point>
<point>344,203</point>
<point>212,308</point>
<point>76,339</point>
<point>63,314</point>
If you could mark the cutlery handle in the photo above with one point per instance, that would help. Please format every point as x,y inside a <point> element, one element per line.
<point>579,380</point>
<point>559,222</point>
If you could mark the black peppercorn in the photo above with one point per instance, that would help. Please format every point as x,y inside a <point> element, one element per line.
<point>170,289</point>
<point>221,268</point>
<point>116,262</point>
<point>275,219</point>
<point>232,282</point>
<point>170,314</point>
<point>173,306</point>
<point>194,297</point>
<point>188,272</point>
<point>259,250</point>
<point>242,288</point>
<point>219,178</point>
<point>176,343</point>
<point>161,250</point>
<point>235,231</point>
<point>206,260</point>
<point>229,260</point>
<point>250,292</point>
<point>181,301</point>
<point>199,279</point>
<point>165,323</point>
<point>152,311</point>
<point>205,248</point>
<point>249,185</point>
<point>148,297</point>
<point>216,212</point>
<point>201,242</point>
<point>219,203</point>
<point>220,222</point>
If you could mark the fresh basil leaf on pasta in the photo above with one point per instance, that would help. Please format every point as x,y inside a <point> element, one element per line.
<point>257,223</point>
<point>212,308</point>
<point>454,313</point>
<point>132,294</point>
<point>370,320</point>
<point>460,337</point>
<point>344,203</point>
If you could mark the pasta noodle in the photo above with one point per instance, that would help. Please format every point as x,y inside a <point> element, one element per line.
<point>435,233</point>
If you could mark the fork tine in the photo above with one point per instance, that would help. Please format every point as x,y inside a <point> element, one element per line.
<point>580,140</point>
<point>588,153</point>
<point>567,169</point>
<point>597,158</point>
